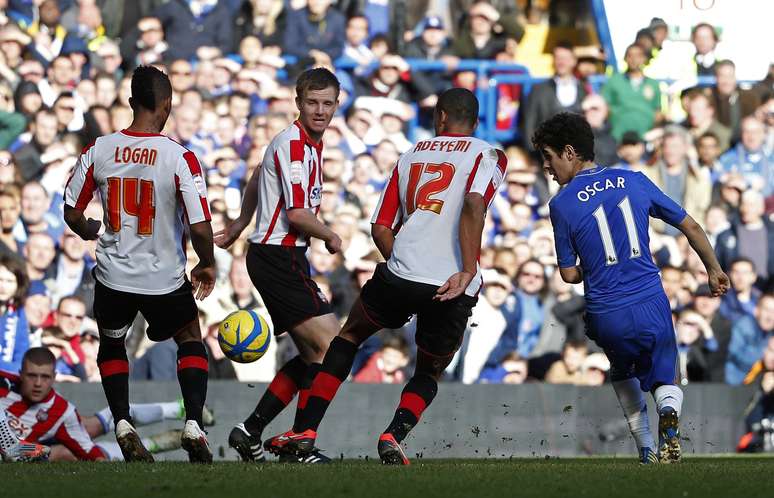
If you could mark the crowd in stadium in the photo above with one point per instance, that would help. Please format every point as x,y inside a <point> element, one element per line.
<point>66,67</point>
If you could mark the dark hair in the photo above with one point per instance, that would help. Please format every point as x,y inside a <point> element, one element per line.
<point>150,87</point>
<point>645,33</point>
<point>358,15</point>
<point>39,356</point>
<point>579,343</point>
<point>635,45</point>
<point>705,25</point>
<point>16,266</point>
<point>395,342</point>
<point>631,137</point>
<point>566,128</point>
<point>460,105</point>
<point>742,259</point>
<point>318,78</point>
<point>565,44</point>
<point>64,95</point>
<point>383,38</point>
<point>708,134</point>
<point>239,95</point>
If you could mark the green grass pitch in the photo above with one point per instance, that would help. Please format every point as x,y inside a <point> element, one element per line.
<point>565,478</point>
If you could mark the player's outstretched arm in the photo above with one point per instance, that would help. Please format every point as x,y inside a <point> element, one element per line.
<point>228,235</point>
<point>87,229</point>
<point>718,281</point>
<point>305,221</point>
<point>203,274</point>
<point>471,228</point>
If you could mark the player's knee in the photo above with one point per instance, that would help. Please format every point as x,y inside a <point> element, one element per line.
<point>433,366</point>
<point>189,333</point>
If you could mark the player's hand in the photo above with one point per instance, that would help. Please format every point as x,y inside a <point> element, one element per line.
<point>225,237</point>
<point>202,280</point>
<point>718,282</point>
<point>92,229</point>
<point>454,287</point>
<point>333,244</point>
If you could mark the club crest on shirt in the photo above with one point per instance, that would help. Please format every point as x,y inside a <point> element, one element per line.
<point>296,171</point>
<point>42,415</point>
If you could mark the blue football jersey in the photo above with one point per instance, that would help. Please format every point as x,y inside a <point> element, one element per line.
<point>601,218</point>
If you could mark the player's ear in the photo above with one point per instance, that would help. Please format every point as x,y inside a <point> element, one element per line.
<point>569,152</point>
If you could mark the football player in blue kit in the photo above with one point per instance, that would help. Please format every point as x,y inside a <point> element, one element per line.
<point>600,221</point>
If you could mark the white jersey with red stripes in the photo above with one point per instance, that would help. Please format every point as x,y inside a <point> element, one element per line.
<point>424,198</point>
<point>290,178</point>
<point>150,187</point>
<point>53,420</point>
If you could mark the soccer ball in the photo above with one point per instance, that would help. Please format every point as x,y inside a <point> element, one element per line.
<point>244,336</point>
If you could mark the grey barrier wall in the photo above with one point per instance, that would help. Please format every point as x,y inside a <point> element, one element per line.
<point>486,421</point>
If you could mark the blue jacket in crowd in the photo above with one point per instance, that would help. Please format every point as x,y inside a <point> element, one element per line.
<point>748,341</point>
<point>14,338</point>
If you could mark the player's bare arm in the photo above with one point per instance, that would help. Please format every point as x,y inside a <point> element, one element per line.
<point>384,238</point>
<point>228,235</point>
<point>203,274</point>
<point>86,228</point>
<point>305,221</point>
<point>471,228</point>
<point>718,280</point>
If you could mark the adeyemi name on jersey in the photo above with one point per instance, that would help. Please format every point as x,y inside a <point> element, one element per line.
<point>443,145</point>
<point>135,156</point>
<point>591,190</point>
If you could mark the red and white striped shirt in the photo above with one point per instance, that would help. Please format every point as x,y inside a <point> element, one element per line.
<point>424,198</point>
<point>290,178</point>
<point>52,420</point>
<point>151,187</point>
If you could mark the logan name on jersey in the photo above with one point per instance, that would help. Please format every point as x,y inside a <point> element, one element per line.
<point>135,156</point>
<point>591,190</point>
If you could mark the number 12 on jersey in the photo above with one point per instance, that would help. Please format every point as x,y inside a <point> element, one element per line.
<point>420,196</point>
<point>123,193</point>
<point>611,257</point>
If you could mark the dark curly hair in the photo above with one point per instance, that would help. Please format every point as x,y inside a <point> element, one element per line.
<point>566,128</point>
<point>150,87</point>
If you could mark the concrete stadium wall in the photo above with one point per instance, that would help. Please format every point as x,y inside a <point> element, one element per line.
<point>487,421</point>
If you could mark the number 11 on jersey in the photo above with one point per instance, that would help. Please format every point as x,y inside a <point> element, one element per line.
<point>611,257</point>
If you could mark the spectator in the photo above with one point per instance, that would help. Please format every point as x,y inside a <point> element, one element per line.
<point>27,99</point>
<point>149,45</point>
<point>355,46</point>
<point>525,319</point>
<point>48,34</point>
<point>12,44</point>
<point>387,364</point>
<point>705,39</point>
<point>695,342</point>
<point>35,211</point>
<point>595,110</point>
<point>633,98</point>
<point>68,365</point>
<point>72,272</point>
<point>14,331</point>
<point>708,151</point>
<point>191,24</point>
<point>264,19</point>
<point>485,34</point>
<point>567,370</point>
<point>594,369</point>
<point>631,151</point>
<point>486,326</point>
<point>750,157</point>
<point>681,180</point>
<point>701,119</point>
<point>316,31</point>
<point>563,92</point>
<point>39,253</point>
<point>44,130</point>
<point>743,296</point>
<point>751,237</point>
<point>10,211</point>
<point>158,363</point>
<point>69,318</point>
<point>513,369</point>
<point>749,337</point>
<point>732,104</point>
<point>707,306</point>
<point>393,79</point>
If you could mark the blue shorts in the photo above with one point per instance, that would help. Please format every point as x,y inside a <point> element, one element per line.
<point>639,341</point>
